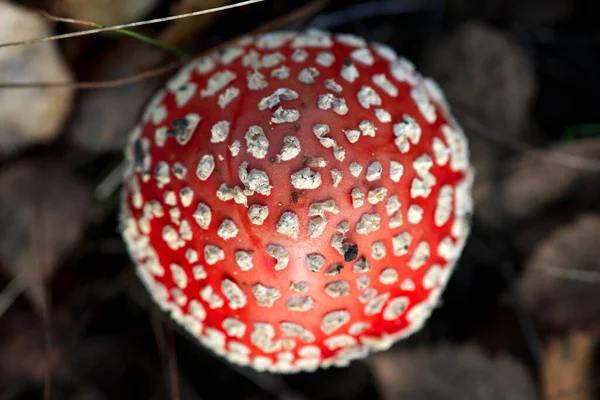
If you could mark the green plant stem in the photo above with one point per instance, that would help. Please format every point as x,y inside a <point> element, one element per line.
<point>154,42</point>
<point>147,39</point>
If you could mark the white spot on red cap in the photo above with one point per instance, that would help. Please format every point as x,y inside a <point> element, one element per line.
<point>325,59</point>
<point>358,198</point>
<point>334,320</point>
<point>256,142</point>
<point>208,294</point>
<point>244,260</point>
<point>378,251</point>
<point>235,295</point>
<point>219,132</point>
<point>299,55</point>
<point>332,85</point>
<point>395,308</point>
<point>314,262</point>
<point>367,128</point>
<point>375,305</point>
<point>300,287</point>
<point>383,115</point>
<point>388,276</point>
<point>256,81</point>
<point>308,75</point>
<point>443,208</point>
<point>213,254</point>
<point>363,56</point>
<point>295,330</point>
<point>351,40</point>
<point>199,272</point>
<point>338,288</point>
<point>329,101</point>
<point>275,98</point>
<point>300,303</point>
<point>184,93</point>
<point>316,226</point>
<point>385,84</point>
<point>265,296</point>
<point>217,82</point>
<point>203,215</point>
<point>432,276</point>
<point>228,96</point>
<point>427,109</point>
<point>336,176</point>
<point>282,116</point>
<point>227,229</point>
<point>280,254</point>
<point>415,213</point>
<point>306,179</point>
<point>349,71</point>
<point>368,223</point>
<point>401,243</point>
<point>205,167</point>
<point>368,97</point>
<point>234,327</point>
<point>289,225</point>
<point>282,72</point>
<point>419,256</point>
<point>179,276</point>
<point>258,214</point>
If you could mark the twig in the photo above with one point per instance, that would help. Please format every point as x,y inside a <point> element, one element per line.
<point>146,39</point>
<point>110,183</point>
<point>579,275</point>
<point>130,25</point>
<point>41,263</point>
<point>107,84</point>
<point>309,9</point>
<point>10,294</point>
<point>173,374</point>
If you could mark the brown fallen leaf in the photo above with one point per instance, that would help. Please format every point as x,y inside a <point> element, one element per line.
<point>106,12</point>
<point>561,282</point>
<point>30,116</point>
<point>97,126</point>
<point>451,373</point>
<point>535,184</point>
<point>568,367</point>
<point>487,77</point>
<point>102,118</point>
<point>43,211</point>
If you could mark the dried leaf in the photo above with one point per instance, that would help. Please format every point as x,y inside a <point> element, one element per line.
<point>43,211</point>
<point>103,118</point>
<point>534,185</point>
<point>561,283</point>
<point>568,367</point>
<point>107,12</point>
<point>450,373</point>
<point>30,116</point>
<point>487,77</point>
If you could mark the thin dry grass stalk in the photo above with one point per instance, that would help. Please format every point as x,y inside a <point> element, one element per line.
<point>131,25</point>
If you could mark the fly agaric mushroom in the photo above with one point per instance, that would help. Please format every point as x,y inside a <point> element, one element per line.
<point>297,200</point>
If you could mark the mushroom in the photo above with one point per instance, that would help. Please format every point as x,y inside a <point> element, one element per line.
<point>297,200</point>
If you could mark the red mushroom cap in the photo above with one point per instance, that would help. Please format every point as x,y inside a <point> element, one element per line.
<point>297,200</point>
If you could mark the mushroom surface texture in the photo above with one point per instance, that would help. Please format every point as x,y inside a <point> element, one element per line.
<point>297,200</point>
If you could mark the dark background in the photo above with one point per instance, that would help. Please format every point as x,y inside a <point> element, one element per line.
<point>523,77</point>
